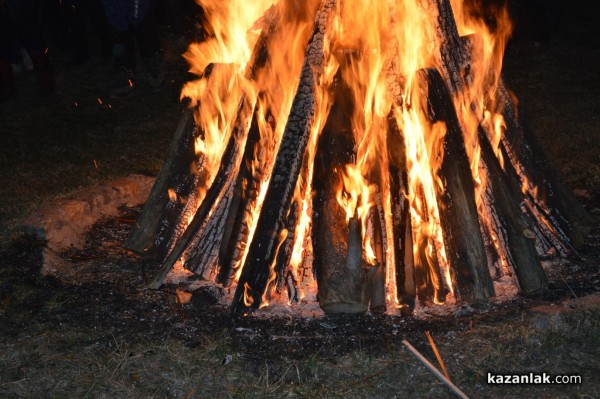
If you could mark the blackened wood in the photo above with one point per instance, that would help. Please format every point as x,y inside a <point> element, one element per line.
<point>255,272</point>
<point>456,202</point>
<point>235,226</point>
<point>223,184</point>
<point>525,151</point>
<point>401,230</point>
<point>204,254</point>
<point>229,164</point>
<point>285,277</point>
<point>377,294</point>
<point>513,231</point>
<point>175,174</point>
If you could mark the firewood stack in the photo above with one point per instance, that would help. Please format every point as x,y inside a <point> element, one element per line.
<point>243,224</point>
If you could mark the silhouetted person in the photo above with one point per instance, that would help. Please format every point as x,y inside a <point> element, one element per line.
<point>20,19</point>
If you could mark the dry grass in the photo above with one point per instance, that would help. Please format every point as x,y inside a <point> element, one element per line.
<point>94,364</point>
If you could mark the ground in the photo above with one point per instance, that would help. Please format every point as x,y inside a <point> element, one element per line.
<point>97,332</point>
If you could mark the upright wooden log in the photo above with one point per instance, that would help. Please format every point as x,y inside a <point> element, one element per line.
<point>224,181</point>
<point>256,269</point>
<point>456,202</point>
<point>524,149</point>
<point>510,226</point>
<point>337,242</point>
<point>406,291</point>
<point>376,276</point>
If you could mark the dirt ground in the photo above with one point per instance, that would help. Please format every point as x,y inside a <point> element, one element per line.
<point>96,331</point>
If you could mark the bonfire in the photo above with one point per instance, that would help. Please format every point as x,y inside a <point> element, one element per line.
<point>363,155</point>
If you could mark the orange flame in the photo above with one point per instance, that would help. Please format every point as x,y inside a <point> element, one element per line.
<point>376,42</point>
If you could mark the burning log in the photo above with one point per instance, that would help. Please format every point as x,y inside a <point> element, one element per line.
<point>458,212</point>
<point>225,178</point>
<point>337,242</point>
<point>236,232</point>
<point>401,226</point>
<point>256,270</point>
<point>548,190</point>
<point>546,185</point>
<point>512,229</point>
<point>179,178</point>
<point>376,276</point>
<point>218,197</point>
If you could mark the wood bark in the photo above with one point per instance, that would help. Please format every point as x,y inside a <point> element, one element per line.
<point>218,197</point>
<point>255,272</point>
<point>456,202</point>
<point>569,219</point>
<point>213,209</point>
<point>512,229</point>
<point>376,276</point>
<point>159,211</point>
<point>236,230</point>
<point>551,192</point>
<point>337,242</point>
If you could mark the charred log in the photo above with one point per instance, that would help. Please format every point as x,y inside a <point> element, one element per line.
<point>547,186</point>
<point>513,231</point>
<point>222,185</point>
<point>456,202</point>
<point>568,218</point>
<point>255,271</point>
<point>236,230</point>
<point>401,226</point>
<point>229,165</point>
<point>376,276</point>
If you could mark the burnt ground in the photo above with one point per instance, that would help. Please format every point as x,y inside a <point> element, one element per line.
<point>97,332</point>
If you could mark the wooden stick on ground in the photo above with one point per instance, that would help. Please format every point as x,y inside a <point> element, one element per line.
<point>455,390</point>
<point>437,354</point>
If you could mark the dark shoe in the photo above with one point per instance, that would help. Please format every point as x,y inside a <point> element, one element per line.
<point>7,81</point>
<point>43,72</point>
<point>125,83</point>
<point>156,77</point>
